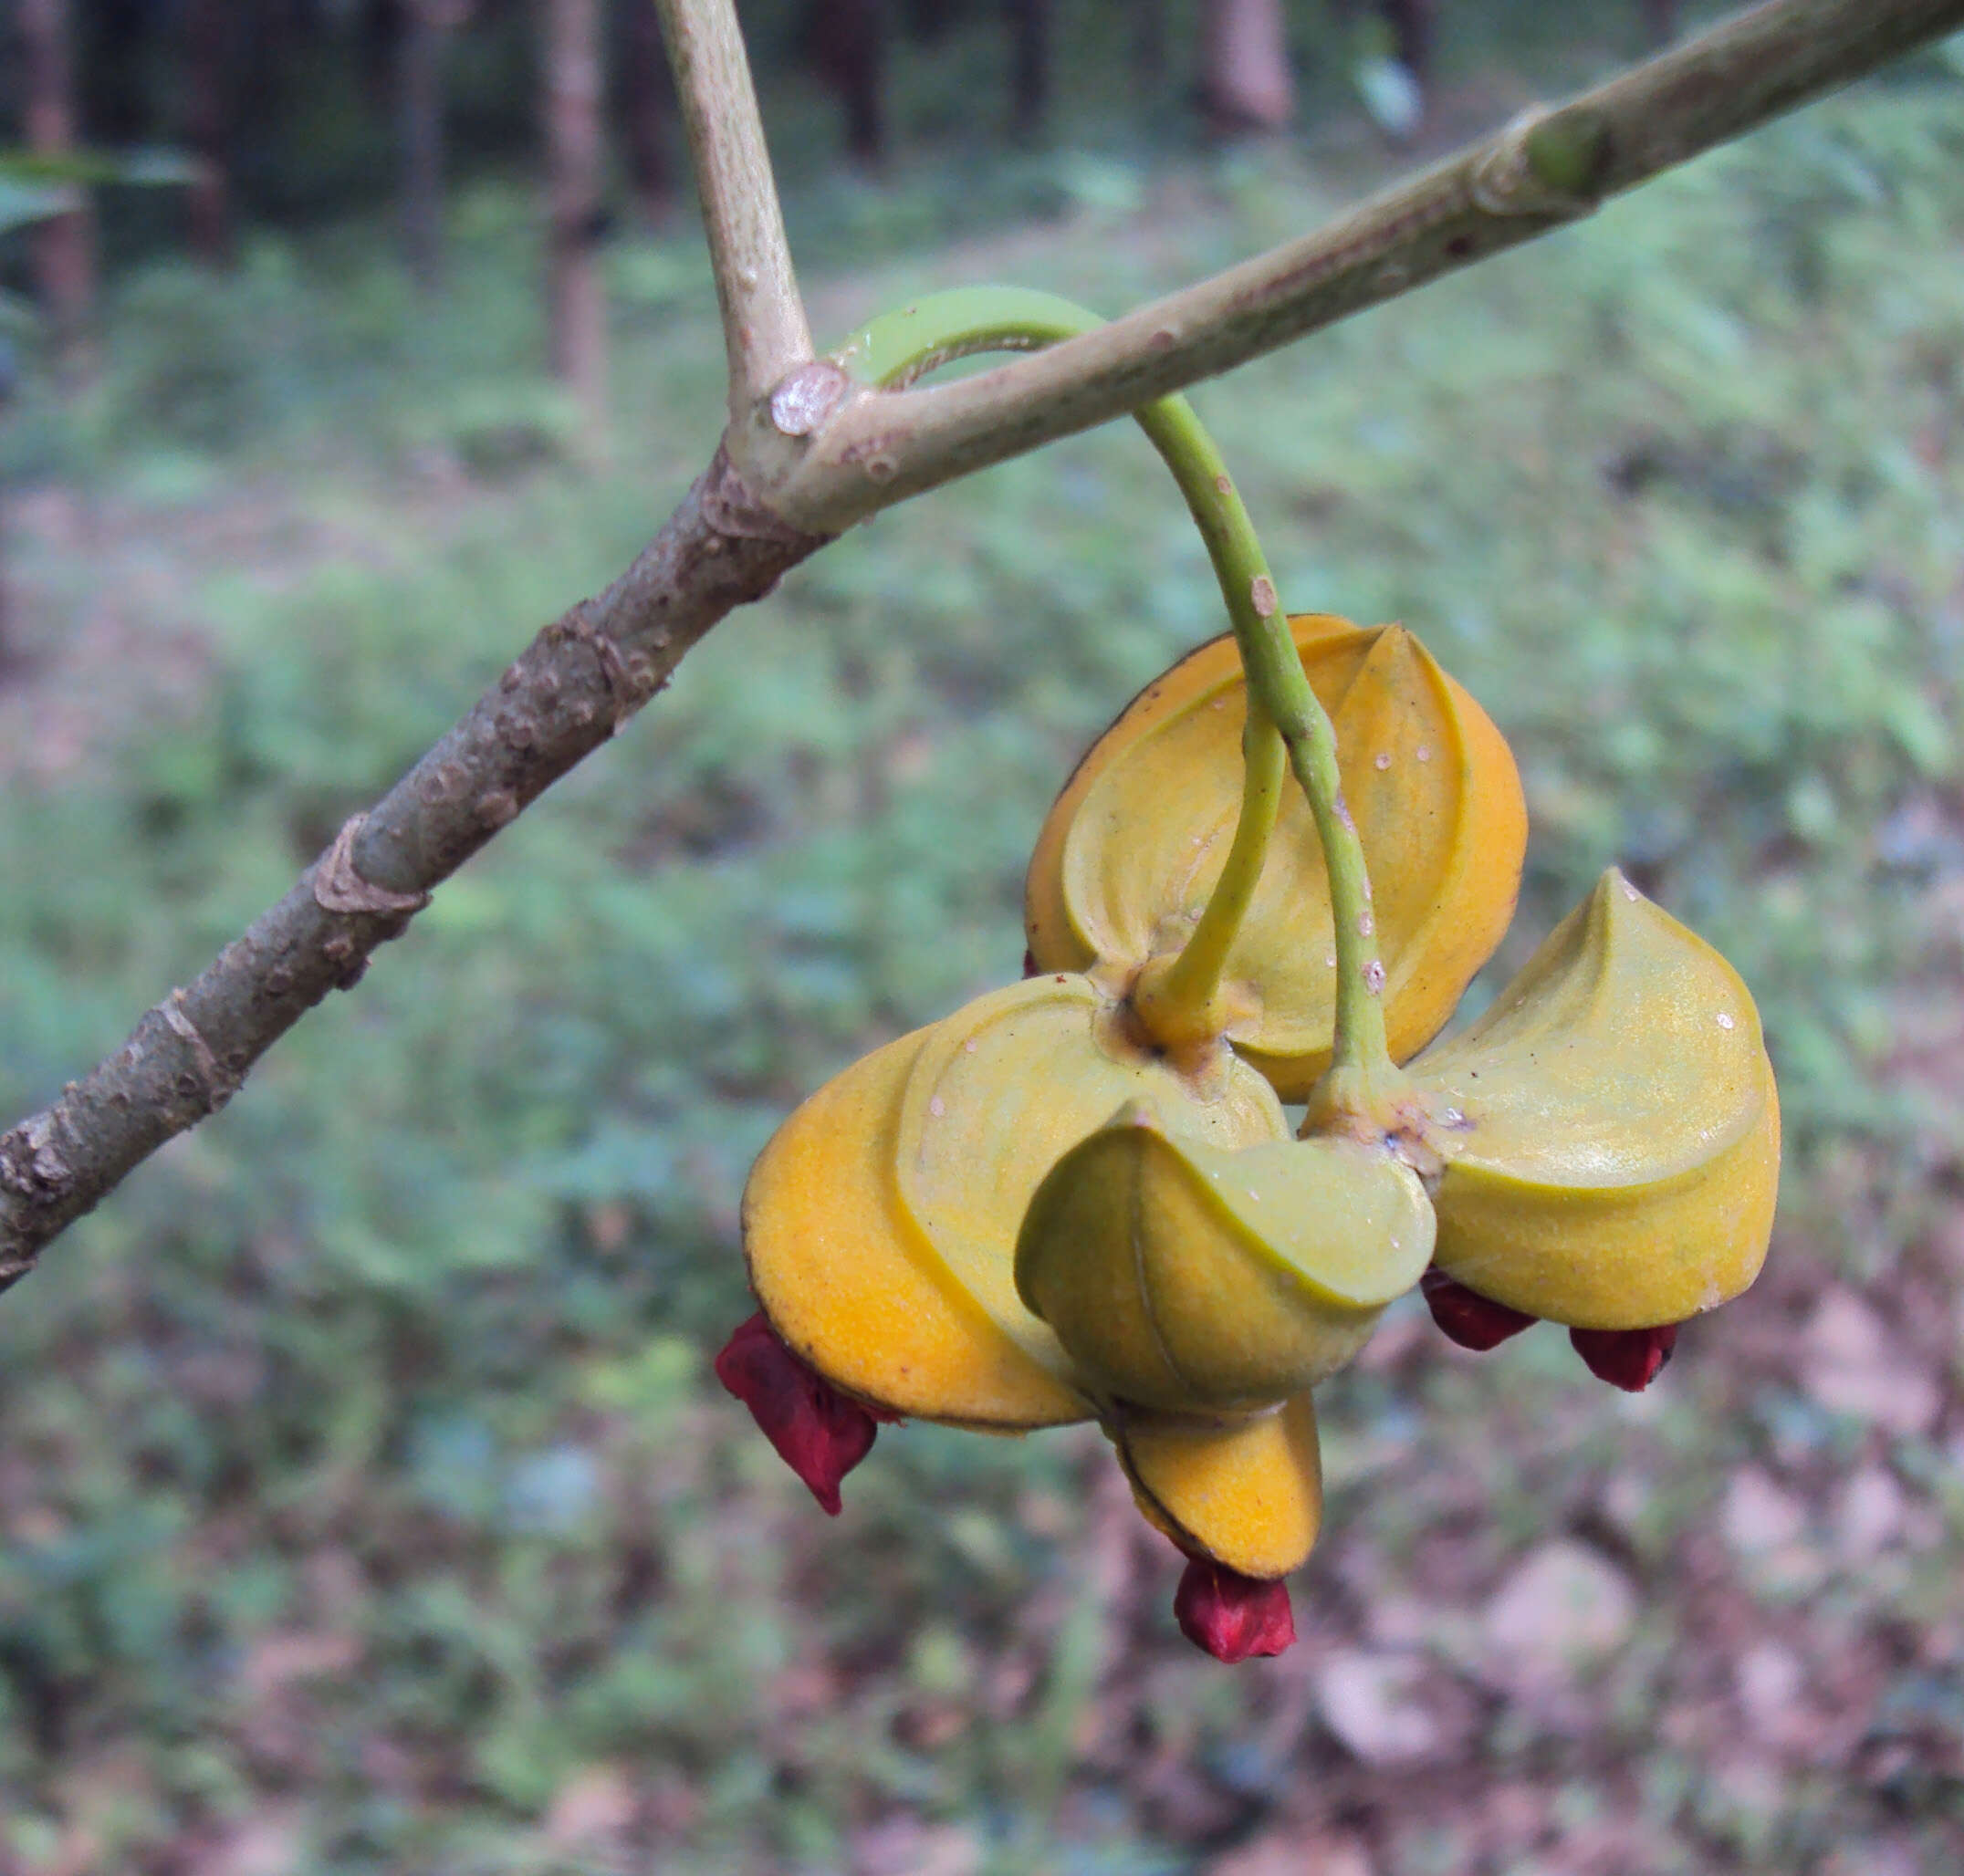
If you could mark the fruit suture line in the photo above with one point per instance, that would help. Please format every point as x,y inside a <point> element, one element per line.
<point>1079,1198</point>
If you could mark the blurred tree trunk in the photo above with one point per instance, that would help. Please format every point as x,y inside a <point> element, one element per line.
<point>1411,23</point>
<point>929,20</point>
<point>115,51</point>
<point>1149,42</point>
<point>577,311</point>
<point>379,40</point>
<point>208,34</point>
<point>848,44</point>
<point>1245,82</point>
<point>1029,65</point>
<point>424,41</point>
<point>64,245</point>
<point>1661,17</point>
<point>647,111</point>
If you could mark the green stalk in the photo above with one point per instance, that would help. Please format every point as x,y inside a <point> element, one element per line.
<point>899,348</point>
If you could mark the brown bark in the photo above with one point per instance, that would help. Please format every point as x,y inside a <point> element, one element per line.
<point>583,677</point>
<point>209,43</point>
<point>645,112</point>
<point>847,41</point>
<point>1029,65</point>
<point>1245,81</point>
<point>730,539</point>
<point>576,306</point>
<point>65,245</point>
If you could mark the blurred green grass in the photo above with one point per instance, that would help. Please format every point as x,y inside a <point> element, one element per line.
<point>404,1357</point>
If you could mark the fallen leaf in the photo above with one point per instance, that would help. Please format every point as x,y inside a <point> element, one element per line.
<point>1850,1364</point>
<point>1562,1610</point>
<point>595,1803</point>
<point>1370,1702</point>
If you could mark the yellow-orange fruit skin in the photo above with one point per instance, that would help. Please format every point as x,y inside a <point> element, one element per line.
<point>851,1284</point>
<point>1131,847</point>
<point>1246,1493</point>
<point>1613,1156</point>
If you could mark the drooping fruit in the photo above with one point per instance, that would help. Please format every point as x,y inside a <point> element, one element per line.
<point>1610,1126</point>
<point>880,1221</point>
<point>1132,845</point>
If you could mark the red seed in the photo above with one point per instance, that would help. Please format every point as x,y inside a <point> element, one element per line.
<point>1465,1317</point>
<point>1233,1617</point>
<point>1629,1359</point>
<point>820,1433</point>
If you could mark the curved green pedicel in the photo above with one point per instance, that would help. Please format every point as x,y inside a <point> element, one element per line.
<point>898,348</point>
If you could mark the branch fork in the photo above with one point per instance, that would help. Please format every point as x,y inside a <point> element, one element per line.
<point>807,454</point>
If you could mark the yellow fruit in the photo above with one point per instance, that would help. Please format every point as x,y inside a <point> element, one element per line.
<point>1191,1280</point>
<point>1132,845</point>
<point>1610,1126</point>
<point>1247,1493</point>
<point>880,1221</point>
<point>850,1281</point>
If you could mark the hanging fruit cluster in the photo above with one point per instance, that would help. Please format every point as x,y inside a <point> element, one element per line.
<point>1080,1198</point>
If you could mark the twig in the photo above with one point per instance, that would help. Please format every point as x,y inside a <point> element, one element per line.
<point>564,696</point>
<point>765,332</point>
<point>1542,170</point>
<point>841,453</point>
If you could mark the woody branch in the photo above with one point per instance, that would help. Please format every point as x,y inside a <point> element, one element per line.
<point>807,454</point>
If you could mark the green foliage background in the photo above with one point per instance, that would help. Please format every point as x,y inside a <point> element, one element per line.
<point>407,1353</point>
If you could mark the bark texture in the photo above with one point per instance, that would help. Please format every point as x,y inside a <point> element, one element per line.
<point>765,332</point>
<point>1539,173</point>
<point>580,679</point>
<point>823,453</point>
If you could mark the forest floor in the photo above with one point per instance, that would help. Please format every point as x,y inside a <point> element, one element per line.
<point>368,1504</point>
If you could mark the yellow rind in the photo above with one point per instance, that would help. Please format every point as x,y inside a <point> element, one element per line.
<point>1123,863</point>
<point>1629,1257</point>
<point>1246,1493</point>
<point>1009,1084</point>
<point>1436,928</point>
<point>850,1283</point>
<point>1190,1279</point>
<point>1614,1159</point>
<point>1054,941</point>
